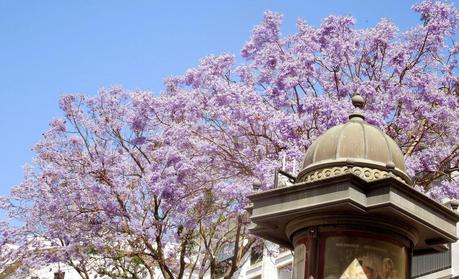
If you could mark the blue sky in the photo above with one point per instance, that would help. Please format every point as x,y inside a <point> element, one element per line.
<point>52,48</point>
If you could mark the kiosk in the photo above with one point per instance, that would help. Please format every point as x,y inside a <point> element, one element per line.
<point>352,211</point>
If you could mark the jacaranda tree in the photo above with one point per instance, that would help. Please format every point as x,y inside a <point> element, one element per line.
<point>131,184</point>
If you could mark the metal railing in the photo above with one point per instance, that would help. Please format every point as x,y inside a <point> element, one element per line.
<point>430,263</point>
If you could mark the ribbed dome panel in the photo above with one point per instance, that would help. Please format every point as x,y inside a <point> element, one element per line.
<point>358,142</point>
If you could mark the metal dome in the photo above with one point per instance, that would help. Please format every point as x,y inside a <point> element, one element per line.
<point>356,147</point>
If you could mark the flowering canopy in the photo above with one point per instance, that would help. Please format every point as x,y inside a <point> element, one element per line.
<point>129,183</point>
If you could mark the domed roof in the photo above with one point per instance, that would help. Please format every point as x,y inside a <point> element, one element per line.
<point>356,147</point>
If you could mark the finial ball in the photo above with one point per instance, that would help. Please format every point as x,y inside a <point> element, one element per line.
<point>358,101</point>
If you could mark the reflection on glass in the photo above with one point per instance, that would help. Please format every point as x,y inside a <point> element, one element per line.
<point>299,262</point>
<point>363,258</point>
<point>354,270</point>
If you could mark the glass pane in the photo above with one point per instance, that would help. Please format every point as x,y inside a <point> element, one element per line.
<point>256,254</point>
<point>349,257</point>
<point>298,262</point>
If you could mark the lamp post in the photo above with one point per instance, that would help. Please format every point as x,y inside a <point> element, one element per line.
<point>352,211</point>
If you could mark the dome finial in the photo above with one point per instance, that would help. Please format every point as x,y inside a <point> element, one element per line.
<point>359,103</point>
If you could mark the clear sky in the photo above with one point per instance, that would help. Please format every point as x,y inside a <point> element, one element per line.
<point>51,48</point>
